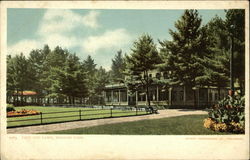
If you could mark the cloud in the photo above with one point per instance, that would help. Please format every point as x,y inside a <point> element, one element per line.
<point>90,19</point>
<point>61,21</point>
<point>57,28</point>
<point>108,40</point>
<point>24,46</point>
<point>54,40</point>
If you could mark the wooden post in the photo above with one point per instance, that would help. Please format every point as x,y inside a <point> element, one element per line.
<point>80,114</point>
<point>41,116</point>
<point>111,112</point>
<point>119,96</point>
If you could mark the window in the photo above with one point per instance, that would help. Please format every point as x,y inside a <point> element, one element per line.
<point>108,96</point>
<point>165,75</point>
<point>123,94</point>
<point>141,96</point>
<point>210,96</point>
<point>158,75</point>
<point>152,95</point>
<point>216,96</point>
<point>173,95</point>
<point>163,95</point>
<point>116,96</point>
<point>181,95</point>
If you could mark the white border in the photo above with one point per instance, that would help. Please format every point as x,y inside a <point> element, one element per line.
<point>117,146</point>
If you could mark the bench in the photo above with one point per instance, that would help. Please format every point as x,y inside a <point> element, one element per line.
<point>151,110</point>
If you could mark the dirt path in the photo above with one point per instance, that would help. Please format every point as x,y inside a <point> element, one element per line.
<point>88,123</point>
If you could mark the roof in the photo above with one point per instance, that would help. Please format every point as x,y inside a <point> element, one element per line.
<point>26,93</point>
<point>111,86</point>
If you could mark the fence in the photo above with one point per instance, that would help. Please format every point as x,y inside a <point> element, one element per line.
<point>77,115</point>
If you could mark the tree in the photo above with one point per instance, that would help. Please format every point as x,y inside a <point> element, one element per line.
<point>217,66</point>
<point>90,68</point>
<point>18,79</point>
<point>74,79</point>
<point>102,79</point>
<point>36,60</point>
<point>143,59</point>
<point>53,71</point>
<point>118,67</point>
<point>185,55</point>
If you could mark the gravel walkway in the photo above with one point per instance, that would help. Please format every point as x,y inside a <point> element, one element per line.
<point>89,123</point>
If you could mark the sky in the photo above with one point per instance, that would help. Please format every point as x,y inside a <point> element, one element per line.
<point>99,33</point>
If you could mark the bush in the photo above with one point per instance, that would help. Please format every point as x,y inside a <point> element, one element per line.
<point>10,108</point>
<point>227,115</point>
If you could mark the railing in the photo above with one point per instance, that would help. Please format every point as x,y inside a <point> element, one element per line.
<point>50,117</point>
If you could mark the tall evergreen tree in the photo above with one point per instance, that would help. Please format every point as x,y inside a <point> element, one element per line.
<point>53,67</point>
<point>217,66</point>
<point>18,79</point>
<point>118,67</point>
<point>143,59</point>
<point>185,55</point>
<point>36,60</point>
<point>90,68</point>
<point>102,79</point>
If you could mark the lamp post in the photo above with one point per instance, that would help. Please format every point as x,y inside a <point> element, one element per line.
<point>232,61</point>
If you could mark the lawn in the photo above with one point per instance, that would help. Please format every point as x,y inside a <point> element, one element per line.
<point>181,125</point>
<point>71,115</point>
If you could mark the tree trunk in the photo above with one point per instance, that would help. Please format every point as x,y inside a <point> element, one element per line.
<point>70,100</point>
<point>148,98</point>
<point>21,97</point>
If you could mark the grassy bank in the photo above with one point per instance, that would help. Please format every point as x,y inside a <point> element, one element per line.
<point>181,125</point>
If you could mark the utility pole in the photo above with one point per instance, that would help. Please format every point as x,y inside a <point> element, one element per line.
<point>232,60</point>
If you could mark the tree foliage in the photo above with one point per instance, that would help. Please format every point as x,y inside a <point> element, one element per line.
<point>185,55</point>
<point>118,67</point>
<point>140,62</point>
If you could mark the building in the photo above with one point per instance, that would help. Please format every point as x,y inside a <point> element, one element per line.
<point>117,94</point>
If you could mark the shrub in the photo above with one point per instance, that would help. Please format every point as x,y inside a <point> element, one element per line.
<point>227,115</point>
<point>10,108</point>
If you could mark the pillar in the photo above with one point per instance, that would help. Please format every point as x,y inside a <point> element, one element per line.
<point>127,96</point>
<point>119,96</point>
<point>184,95</point>
<point>157,93</point>
<point>136,98</point>
<point>112,96</point>
<point>170,96</point>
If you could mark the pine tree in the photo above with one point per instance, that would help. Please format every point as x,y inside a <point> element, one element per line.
<point>185,55</point>
<point>118,67</point>
<point>90,68</point>
<point>143,59</point>
<point>18,79</point>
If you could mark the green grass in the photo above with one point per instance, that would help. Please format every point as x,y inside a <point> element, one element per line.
<point>181,125</point>
<point>85,114</point>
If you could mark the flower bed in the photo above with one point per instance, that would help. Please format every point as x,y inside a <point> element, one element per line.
<point>227,116</point>
<point>223,127</point>
<point>23,112</point>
